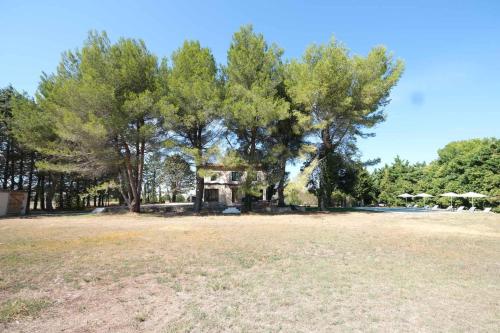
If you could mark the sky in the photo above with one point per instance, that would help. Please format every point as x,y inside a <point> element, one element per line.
<point>449,91</point>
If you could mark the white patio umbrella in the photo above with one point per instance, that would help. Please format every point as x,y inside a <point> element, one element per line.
<point>406,196</point>
<point>473,195</point>
<point>451,195</point>
<point>423,195</point>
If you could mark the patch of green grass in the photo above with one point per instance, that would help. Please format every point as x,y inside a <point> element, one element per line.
<point>19,308</point>
<point>141,317</point>
<point>163,279</point>
<point>177,286</point>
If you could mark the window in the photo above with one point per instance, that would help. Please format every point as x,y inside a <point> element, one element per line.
<point>213,177</point>
<point>211,195</point>
<point>235,176</point>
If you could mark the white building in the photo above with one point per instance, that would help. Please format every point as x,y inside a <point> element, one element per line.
<point>223,185</point>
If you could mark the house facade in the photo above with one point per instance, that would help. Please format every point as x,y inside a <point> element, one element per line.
<point>223,185</point>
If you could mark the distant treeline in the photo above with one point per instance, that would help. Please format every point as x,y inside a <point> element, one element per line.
<point>462,166</point>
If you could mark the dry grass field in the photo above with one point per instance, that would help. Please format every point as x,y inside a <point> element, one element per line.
<point>256,273</point>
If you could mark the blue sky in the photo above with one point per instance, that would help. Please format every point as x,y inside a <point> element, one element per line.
<point>449,91</point>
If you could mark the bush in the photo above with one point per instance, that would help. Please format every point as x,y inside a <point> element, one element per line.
<point>180,198</point>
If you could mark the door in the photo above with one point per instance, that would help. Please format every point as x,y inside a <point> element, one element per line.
<point>234,194</point>
<point>212,195</point>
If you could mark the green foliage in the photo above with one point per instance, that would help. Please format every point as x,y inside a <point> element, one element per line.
<point>345,95</point>
<point>253,104</point>
<point>177,175</point>
<point>180,198</point>
<point>8,96</point>
<point>254,72</point>
<point>192,107</point>
<point>108,106</point>
<point>364,189</point>
<point>462,166</point>
<point>15,309</point>
<point>99,112</point>
<point>397,178</point>
<point>104,187</point>
<point>342,177</point>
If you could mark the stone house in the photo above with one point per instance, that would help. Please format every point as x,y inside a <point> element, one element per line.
<point>222,185</point>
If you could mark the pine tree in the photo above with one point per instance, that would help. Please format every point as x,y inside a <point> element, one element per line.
<point>99,113</point>
<point>344,94</point>
<point>177,175</point>
<point>193,107</point>
<point>253,104</point>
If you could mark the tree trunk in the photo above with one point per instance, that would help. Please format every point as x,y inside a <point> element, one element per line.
<point>139,170</point>
<point>12,174</point>
<point>6,166</point>
<point>21,171</point>
<point>77,194</point>
<point>324,199</point>
<point>136,207</point>
<point>37,193</point>
<point>61,192</point>
<point>153,186</point>
<point>281,195</point>
<point>50,194</point>
<point>281,184</point>
<point>133,199</point>
<point>200,186</point>
<point>42,192</point>
<point>30,182</point>
<point>248,202</point>
<point>253,162</point>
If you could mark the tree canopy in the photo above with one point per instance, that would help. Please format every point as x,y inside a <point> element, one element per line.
<point>111,108</point>
<point>344,95</point>
<point>253,104</point>
<point>192,107</point>
<point>99,111</point>
<point>461,166</point>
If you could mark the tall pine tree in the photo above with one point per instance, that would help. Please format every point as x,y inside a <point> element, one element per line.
<point>253,104</point>
<point>193,107</point>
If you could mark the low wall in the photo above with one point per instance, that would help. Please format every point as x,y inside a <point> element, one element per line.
<point>4,201</point>
<point>13,203</point>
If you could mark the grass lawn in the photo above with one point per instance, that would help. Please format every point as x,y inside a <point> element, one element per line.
<point>343,271</point>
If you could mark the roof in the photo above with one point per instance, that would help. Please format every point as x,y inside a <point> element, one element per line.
<point>222,167</point>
